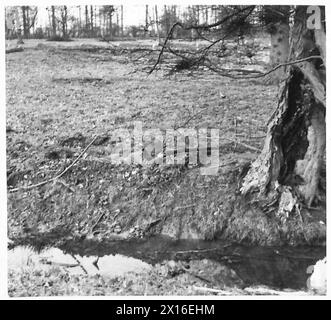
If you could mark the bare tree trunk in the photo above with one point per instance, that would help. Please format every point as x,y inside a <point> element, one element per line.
<point>287,172</point>
<point>117,24</point>
<point>146,17</point>
<point>206,14</point>
<point>92,20</point>
<point>157,24</point>
<point>86,19</point>
<point>166,20</point>
<point>27,27</point>
<point>26,30</point>
<point>53,21</point>
<point>174,20</point>
<point>80,20</point>
<point>279,52</point>
<point>198,14</point>
<point>111,25</point>
<point>279,30</point>
<point>105,23</point>
<point>19,37</point>
<point>64,19</point>
<point>32,20</point>
<point>122,30</point>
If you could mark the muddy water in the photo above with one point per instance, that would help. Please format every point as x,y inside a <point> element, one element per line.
<point>279,268</point>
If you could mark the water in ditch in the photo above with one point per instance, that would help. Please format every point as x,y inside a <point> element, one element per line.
<point>276,267</point>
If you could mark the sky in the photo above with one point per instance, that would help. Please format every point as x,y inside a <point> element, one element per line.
<point>132,14</point>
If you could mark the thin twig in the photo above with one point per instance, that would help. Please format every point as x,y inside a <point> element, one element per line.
<point>196,275</point>
<point>225,72</point>
<point>59,175</point>
<point>285,64</point>
<point>85,271</point>
<point>98,220</point>
<point>198,251</point>
<point>212,290</point>
<point>243,144</point>
<point>190,118</point>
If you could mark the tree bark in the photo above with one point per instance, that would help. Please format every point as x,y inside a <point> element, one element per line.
<point>64,19</point>
<point>122,29</point>
<point>146,18</point>
<point>110,25</point>
<point>157,24</point>
<point>80,19</point>
<point>25,17</point>
<point>287,172</point>
<point>92,20</point>
<point>276,19</point>
<point>279,52</point>
<point>86,19</point>
<point>53,21</point>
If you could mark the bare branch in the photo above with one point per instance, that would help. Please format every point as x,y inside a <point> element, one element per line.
<point>201,27</point>
<point>226,72</point>
<point>59,175</point>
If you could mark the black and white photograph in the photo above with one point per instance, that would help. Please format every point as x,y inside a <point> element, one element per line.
<point>165,149</point>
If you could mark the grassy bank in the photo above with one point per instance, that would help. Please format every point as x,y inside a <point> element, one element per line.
<point>58,100</point>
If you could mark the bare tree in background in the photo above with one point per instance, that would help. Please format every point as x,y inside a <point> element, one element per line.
<point>122,27</point>
<point>53,21</point>
<point>64,21</point>
<point>92,18</point>
<point>108,11</point>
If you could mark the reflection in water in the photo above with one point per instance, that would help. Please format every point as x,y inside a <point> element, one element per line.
<point>277,267</point>
<point>111,265</point>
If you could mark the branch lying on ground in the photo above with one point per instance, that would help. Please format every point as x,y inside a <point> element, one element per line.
<point>97,222</point>
<point>199,27</point>
<point>243,144</point>
<point>205,289</point>
<point>59,175</point>
<point>201,60</point>
<point>18,49</point>
<point>189,119</point>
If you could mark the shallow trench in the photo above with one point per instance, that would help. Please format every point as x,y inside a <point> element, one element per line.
<point>275,267</point>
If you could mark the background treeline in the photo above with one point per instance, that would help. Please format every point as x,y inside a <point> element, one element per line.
<point>66,22</point>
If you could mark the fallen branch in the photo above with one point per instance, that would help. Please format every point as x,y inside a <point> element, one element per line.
<point>196,276</point>
<point>98,220</point>
<point>243,144</point>
<point>250,9</point>
<point>187,121</point>
<point>59,175</point>
<point>18,49</point>
<point>152,224</point>
<point>223,292</point>
<point>62,264</point>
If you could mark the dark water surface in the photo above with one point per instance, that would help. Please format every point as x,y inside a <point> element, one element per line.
<point>277,267</point>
